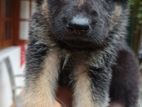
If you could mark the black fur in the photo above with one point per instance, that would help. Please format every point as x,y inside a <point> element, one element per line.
<point>124,85</point>
<point>111,66</point>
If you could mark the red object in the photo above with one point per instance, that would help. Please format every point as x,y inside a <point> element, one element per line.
<point>22,54</point>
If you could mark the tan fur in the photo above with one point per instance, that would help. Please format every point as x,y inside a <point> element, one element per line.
<point>44,7</point>
<point>82,91</point>
<point>41,93</point>
<point>116,13</point>
<point>80,2</point>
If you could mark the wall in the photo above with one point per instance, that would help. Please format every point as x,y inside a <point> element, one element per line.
<point>5,88</point>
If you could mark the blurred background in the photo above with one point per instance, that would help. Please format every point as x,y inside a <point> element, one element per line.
<point>14,27</point>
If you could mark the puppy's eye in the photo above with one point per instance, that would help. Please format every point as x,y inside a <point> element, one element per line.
<point>109,1</point>
<point>94,13</point>
<point>55,1</point>
<point>39,2</point>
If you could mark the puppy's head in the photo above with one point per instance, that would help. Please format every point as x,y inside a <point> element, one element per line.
<point>83,23</point>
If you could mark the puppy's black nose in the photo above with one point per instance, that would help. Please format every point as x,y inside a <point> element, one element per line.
<point>79,23</point>
<point>74,26</point>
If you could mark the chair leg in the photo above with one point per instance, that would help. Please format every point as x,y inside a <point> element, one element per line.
<point>11,79</point>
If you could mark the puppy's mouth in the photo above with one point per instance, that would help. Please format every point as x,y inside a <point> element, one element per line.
<point>78,45</point>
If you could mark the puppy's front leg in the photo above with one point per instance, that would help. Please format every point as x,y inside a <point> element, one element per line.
<point>91,87</point>
<point>41,76</point>
<point>82,89</point>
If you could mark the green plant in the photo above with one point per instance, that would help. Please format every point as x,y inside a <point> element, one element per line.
<point>135,28</point>
<point>140,13</point>
<point>136,6</point>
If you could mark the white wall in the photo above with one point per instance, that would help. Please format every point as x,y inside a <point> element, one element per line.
<point>5,89</point>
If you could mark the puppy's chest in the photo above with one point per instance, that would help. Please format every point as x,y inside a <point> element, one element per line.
<point>66,73</point>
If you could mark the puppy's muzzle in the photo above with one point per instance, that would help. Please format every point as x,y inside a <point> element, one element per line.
<point>79,24</point>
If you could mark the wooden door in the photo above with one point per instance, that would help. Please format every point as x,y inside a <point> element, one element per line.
<point>9,16</point>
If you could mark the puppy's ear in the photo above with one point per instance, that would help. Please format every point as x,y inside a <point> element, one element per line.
<point>123,3</point>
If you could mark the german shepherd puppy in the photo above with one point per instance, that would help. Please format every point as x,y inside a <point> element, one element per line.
<point>81,44</point>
